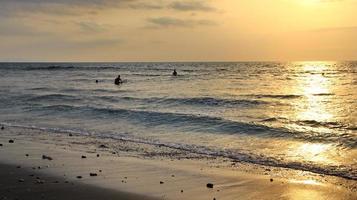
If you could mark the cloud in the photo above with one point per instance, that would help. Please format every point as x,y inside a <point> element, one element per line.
<point>88,26</point>
<point>146,6</point>
<point>191,6</point>
<point>22,8</point>
<point>15,28</point>
<point>335,29</point>
<point>175,22</point>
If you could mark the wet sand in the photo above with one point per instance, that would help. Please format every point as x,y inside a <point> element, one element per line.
<point>77,167</point>
<point>17,183</point>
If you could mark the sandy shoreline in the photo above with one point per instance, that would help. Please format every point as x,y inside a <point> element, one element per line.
<point>126,170</point>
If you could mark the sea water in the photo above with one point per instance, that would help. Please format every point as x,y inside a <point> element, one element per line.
<point>299,115</point>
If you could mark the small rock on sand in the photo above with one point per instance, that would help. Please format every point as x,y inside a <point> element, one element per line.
<point>46,157</point>
<point>93,174</point>
<point>11,141</point>
<point>38,181</point>
<point>209,185</point>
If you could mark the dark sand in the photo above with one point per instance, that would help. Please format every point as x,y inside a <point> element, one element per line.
<point>19,183</point>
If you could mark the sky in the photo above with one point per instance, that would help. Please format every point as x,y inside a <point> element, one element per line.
<point>178,30</point>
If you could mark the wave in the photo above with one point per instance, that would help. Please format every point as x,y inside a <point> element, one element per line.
<point>198,123</point>
<point>54,97</point>
<point>196,101</point>
<point>324,94</point>
<point>288,96</point>
<point>343,171</point>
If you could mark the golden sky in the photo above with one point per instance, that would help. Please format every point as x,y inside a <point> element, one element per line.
<point>177,30</point>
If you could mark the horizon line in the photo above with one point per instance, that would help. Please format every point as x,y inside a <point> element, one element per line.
<point>187,61</point>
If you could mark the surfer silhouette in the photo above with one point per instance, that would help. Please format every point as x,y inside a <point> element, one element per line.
<point>174,73</point>
<point>118,80</point>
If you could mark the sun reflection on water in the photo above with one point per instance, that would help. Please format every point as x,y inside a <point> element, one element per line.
<point>312,110</point>
<point>316,88</point>
<point>314,152</point>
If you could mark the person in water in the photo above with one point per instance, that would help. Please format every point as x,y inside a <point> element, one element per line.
<point>118,80</point>
<point>174,73</point>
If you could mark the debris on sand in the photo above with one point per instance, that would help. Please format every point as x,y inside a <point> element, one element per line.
<point>46,157</point>
<point>39,181</point>
<point>209,185</point>
<point>93,174</point>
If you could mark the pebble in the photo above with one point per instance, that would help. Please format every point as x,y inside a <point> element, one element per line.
<point>209,185</point>
<point>11,141</point>
<point>46,157</point>
<point>38,181</point>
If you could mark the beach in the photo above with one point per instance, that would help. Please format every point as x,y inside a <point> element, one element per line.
<point>49,165</point>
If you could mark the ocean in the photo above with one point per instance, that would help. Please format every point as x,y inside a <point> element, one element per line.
<point>298,115</point>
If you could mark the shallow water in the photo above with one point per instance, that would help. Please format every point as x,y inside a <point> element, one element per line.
<point>298,115</point>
